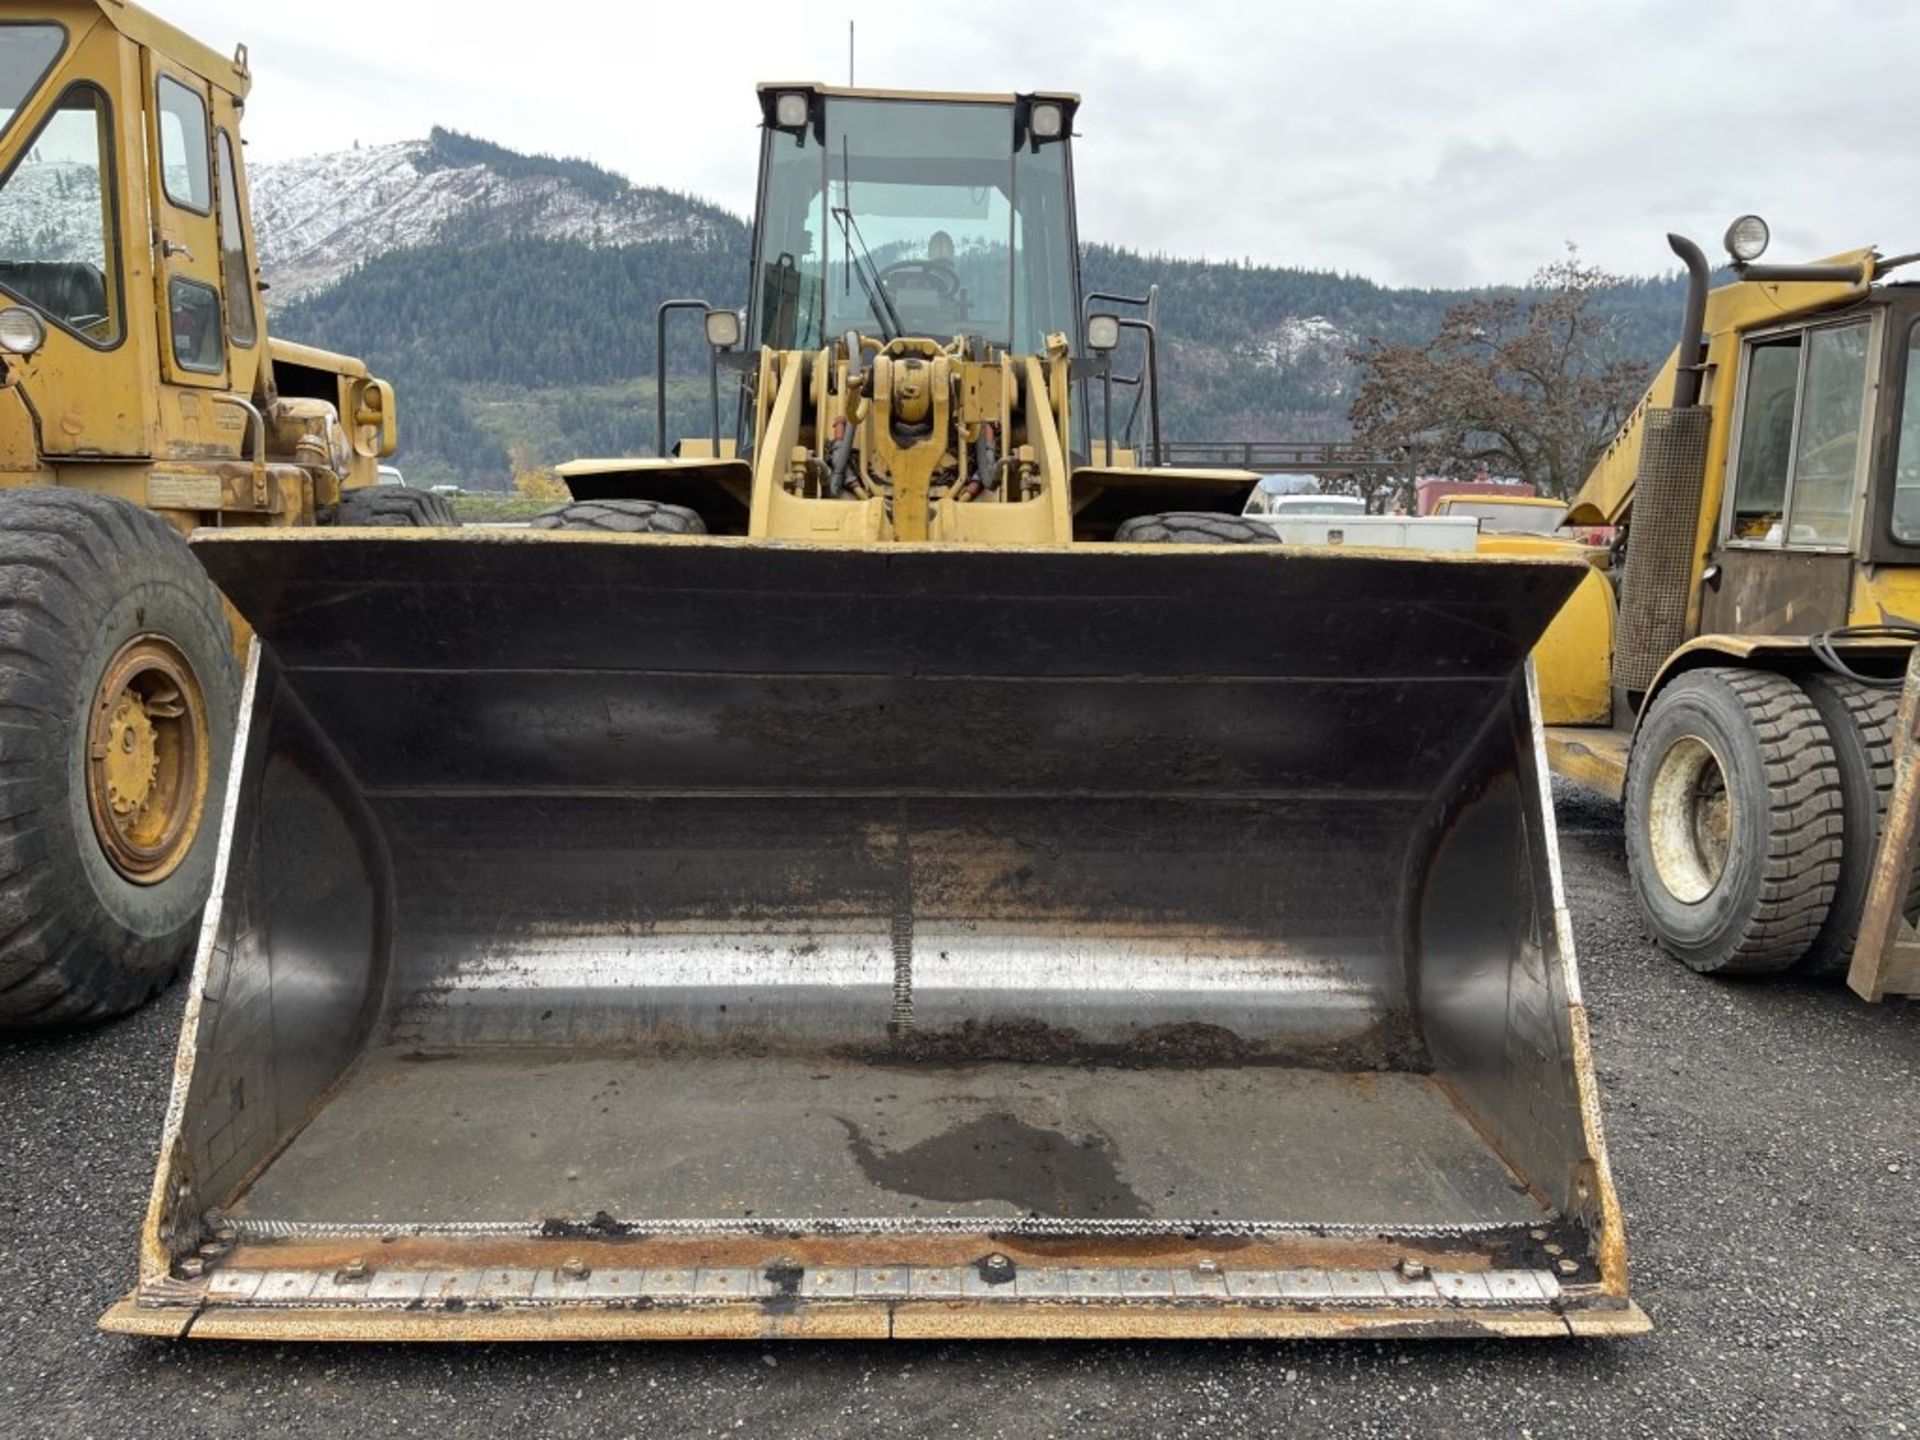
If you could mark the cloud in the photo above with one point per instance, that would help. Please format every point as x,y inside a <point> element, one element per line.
<point>1450,142</point>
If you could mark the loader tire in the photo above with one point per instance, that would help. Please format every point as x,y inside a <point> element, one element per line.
<point>621,517</point>
<point>395,506</point>
<point>1734,821</point>
<point>1195,527</point>
<point>1860,723</point>
<point>118,691</point>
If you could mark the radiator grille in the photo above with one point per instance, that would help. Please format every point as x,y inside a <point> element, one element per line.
<point>1660,552</point>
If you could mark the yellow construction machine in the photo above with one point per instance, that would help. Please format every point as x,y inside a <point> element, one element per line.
<point>902,868</point>
<point>1741,690</point>
<point>140,397</point>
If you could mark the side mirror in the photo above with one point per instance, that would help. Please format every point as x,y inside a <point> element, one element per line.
<point>723,329</point>
<point>1103,333</point>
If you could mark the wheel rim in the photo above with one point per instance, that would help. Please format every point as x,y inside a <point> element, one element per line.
<point>147,754</point>
<point>1690,820</point>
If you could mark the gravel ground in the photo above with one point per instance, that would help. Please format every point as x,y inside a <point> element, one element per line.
<point>1766,1140</point>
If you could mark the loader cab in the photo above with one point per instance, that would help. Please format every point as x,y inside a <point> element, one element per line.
<point>127,291</point>
<point>932,216</point>
<point>1820,515</point>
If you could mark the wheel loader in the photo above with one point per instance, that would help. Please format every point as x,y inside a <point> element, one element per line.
<point>1736,682</point>
<point>140,396</point>
<point>901,868</point>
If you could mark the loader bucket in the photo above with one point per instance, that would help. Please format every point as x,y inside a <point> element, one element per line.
<point>641,936</point>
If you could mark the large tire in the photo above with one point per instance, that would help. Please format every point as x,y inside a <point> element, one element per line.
<point>1195,527</point>
<point>1861,722</point>
<point>1734,821</point>
<point>118,691</point>
<point>621,517</point>
<point>395,505</point>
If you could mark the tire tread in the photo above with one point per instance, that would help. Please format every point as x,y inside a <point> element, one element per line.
<point>63,556</point>
<point>1800,780</point>
<point>1874,715</point>
<point>621,517</point>
<point>396,507</point>
<point>1195,527</point>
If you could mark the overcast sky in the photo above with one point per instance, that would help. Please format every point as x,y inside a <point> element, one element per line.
<point>1436,142</point>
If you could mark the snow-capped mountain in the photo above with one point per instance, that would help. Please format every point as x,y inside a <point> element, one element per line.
<point>50,210</point>
<point>1298,338</point>
<point>1312,349</point>
<point>317,217</point>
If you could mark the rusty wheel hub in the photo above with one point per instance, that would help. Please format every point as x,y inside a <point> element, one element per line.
<point>147,759</point>
<point>1690,820</point>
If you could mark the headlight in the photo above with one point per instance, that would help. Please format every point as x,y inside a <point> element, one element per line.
<point>21,331</point>
<point>1045,122</point>
<point>790,110</point>
<point>723,329</point>
<point>1747,239</point>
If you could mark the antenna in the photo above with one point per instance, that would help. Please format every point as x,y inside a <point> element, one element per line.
<point>849,54</point>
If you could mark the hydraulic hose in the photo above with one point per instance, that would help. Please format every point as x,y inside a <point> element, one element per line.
<point>1823,647</point>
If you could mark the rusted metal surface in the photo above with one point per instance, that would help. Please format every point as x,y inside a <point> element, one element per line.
<point>1689,818</point>
<point>1594,759</point>
<point>147,759</point>
<point>1776,592</point>
<point>991,1278</point>
<point>549,1246</point>
<point>836,1320</point>
<point>847,911</point>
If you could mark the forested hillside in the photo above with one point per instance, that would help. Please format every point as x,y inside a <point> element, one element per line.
<point>517,312</point>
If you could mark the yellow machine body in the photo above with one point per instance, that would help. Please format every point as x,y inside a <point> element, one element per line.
<point>933,893</point>
<point>157,381</point>
<point>1577,650</point>
<point>1744,590</point>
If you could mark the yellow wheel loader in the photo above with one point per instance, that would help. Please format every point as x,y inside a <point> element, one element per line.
<point>1740,689</point>
<point>891,870</point>
<point>140,397</point>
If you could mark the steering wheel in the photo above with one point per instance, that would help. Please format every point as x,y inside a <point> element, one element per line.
<point>935,275</point>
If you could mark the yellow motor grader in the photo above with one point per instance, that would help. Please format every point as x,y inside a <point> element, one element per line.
<point>140,397</point>
<point>903,868</point>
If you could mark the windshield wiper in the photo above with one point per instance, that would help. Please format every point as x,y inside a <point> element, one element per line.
<point>877,298</point>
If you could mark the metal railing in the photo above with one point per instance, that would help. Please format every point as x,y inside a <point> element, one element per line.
<point>1309,457</point>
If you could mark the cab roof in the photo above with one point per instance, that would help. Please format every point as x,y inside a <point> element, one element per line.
<point>862,92</point>
<point>230,72</point>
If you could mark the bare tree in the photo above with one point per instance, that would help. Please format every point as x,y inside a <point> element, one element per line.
<point>1527,386</point>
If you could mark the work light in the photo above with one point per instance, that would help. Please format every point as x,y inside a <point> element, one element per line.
<point>21,331</point>
<point>1747,239</point>
<point>790,110</point>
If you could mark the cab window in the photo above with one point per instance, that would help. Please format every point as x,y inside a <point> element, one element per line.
<point>183,146</point>
<point>58,249</point>
<point>196,326</point>
<point>27,52</point>
<point>1801,425</point>
<point>235,277</point>
<point>1906,463</point>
